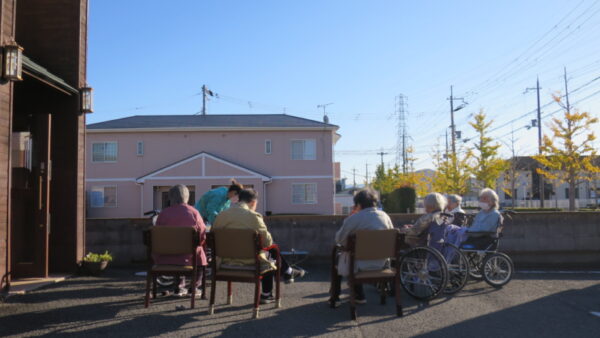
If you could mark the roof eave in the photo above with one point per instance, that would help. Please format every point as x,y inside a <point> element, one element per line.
<point>189,129</point>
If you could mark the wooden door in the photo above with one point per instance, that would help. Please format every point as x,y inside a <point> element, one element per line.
<point>30,191</point>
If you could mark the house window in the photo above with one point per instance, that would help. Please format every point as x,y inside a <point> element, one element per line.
<point>304,193</point>
<point>576,193</point>
<point>268,147</point>
<point>104,152</point>
<point>140,148</point>
<point>304,149</point>
<point>103,197</point>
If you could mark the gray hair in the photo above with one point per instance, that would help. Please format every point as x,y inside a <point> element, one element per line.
<point>435,200</point>
<point>179,194</point>
<point>454,198</point>
<point>492,195</point>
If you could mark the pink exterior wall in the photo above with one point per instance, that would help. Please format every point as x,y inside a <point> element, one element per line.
<point>244,148</point>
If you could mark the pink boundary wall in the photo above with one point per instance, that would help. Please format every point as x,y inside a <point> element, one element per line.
<point>233,154</point>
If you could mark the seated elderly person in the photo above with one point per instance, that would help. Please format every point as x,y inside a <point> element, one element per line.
<point>366,217</point>
<point>181,214</point>
<point>488,218</point>
<point>454,207</point>
<point>486,221</point>
<point>243,215</point>
<point>416,234</point>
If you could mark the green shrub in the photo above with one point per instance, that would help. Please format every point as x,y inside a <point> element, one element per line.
<point>402,200</point>
<point>95,258</point>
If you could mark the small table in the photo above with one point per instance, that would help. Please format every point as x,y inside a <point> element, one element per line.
<point>295,257</point>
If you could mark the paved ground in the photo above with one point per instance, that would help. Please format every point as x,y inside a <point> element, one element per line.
<point>556,305</point>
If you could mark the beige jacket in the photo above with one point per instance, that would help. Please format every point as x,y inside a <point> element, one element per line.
<point>239,216</point>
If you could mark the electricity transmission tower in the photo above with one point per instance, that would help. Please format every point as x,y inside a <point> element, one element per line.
<point>401,113</point>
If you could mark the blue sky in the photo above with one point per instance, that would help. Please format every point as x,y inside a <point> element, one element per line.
<point>152,57</point>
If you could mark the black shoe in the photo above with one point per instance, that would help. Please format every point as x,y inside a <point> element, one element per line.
<point>267,299</point>
<point>360,299</point>
<point>334,303</point>
<point>289,278</point>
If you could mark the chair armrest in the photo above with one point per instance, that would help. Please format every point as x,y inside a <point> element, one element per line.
<point>271,247</point>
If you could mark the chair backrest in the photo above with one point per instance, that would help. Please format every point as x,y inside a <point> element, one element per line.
<point>236,243</point>
<point>375,244</point>
<point>173,240</point>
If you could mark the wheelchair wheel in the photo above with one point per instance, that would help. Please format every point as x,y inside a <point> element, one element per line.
<point>475,262</point>
<point>458,268</point>
<point>497,269</point>
<point>165,281</point>
<point>423,273</point>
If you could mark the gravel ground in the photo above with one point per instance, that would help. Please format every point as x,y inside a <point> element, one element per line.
<point>547,305</point>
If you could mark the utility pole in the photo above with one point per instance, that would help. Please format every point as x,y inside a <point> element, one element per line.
<point>354,178</point>
<point>367,173</point>
<point>446,143</point>
<point>567,92</point>
<point>539,125</point>
<point>452,110</point>
<point>203,99</point>
<point>381,153</point>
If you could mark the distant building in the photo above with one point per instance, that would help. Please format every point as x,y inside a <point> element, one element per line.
<point>344,201</point>
<point>133,161</point>
<point>556,194</point>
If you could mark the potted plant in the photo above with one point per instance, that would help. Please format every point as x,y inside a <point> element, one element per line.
<point>95,263</point>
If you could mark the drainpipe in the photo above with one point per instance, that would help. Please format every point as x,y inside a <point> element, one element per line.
<point>265,194</point>
<point>141,185</point>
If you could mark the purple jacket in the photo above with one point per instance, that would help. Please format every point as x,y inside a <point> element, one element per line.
<point>182,215</point>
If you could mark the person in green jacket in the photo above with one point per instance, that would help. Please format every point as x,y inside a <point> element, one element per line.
<point>216,200</point>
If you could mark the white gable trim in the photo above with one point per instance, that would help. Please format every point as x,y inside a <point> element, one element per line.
<point>203,156</point>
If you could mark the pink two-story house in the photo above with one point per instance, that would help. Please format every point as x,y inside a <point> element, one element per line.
<point>132,162</point>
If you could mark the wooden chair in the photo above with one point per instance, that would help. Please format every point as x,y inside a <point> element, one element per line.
<point>240,244</point>
<point>171,240</point>
<point>374,245</point>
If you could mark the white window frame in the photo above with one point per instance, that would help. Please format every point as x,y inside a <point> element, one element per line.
<point>105,143</point>
<point>268,147</point>
<point>304,157</point>
<point>103,187</point>
<point>305,200</point>
<point>139,146</point>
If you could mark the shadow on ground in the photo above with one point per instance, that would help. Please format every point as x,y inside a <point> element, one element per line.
<point>113,305</point>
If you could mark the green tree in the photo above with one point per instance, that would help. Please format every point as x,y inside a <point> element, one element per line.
<point>386,181</point>
<point>401,200</point>
<point>568,153</point>
<point>487,165</point>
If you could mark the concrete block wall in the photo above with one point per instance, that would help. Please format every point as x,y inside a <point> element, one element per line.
<point>531,239</point>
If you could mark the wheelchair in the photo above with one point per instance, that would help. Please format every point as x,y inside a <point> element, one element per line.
<point>434,266</point>
<point>423,272</point>
<point>485,261</point>
<point>457,263</point>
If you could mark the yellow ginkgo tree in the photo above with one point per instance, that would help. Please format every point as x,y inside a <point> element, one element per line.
<point>487,165</point>
<point>568,152</point>
<point>452,174</point>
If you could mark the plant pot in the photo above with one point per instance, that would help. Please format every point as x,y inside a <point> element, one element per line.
<point>95,268</point>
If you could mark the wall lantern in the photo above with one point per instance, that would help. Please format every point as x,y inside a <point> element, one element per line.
<point>12,66</point>
<point>86,100</point>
